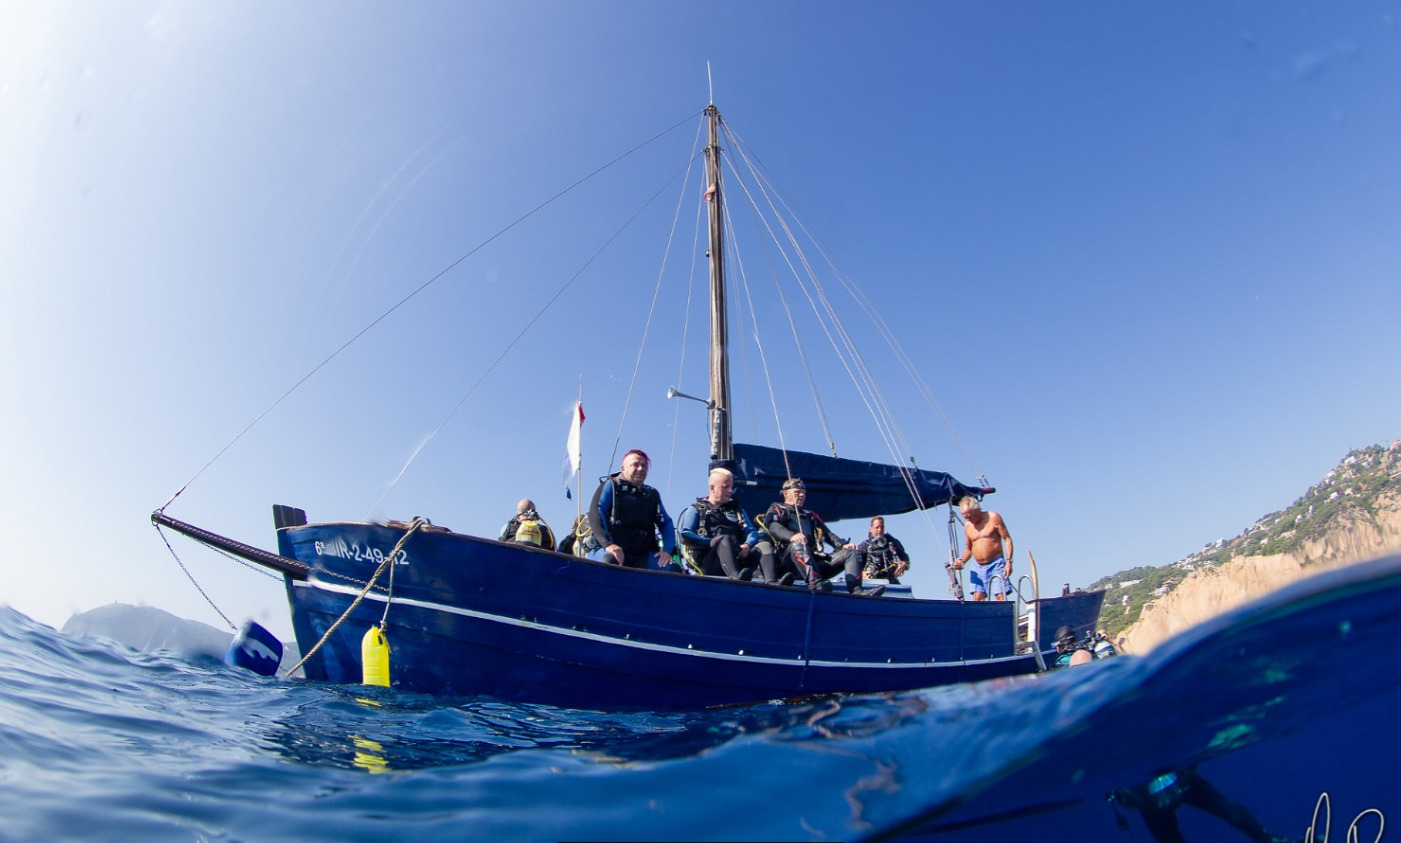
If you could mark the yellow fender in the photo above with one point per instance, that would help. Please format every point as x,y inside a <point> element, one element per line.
<point>374,657</point>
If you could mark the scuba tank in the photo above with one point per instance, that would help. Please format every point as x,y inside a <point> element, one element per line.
<point>582,542</point>
<point>528,532</point>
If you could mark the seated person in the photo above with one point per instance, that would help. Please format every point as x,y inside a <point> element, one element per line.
<point>799,536</point>
<point>626,518</point>
<point>883,556</point>
<point>527,527</point>
<point>717,534</point>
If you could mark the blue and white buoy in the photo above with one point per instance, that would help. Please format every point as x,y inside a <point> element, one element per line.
<point>256,649</point>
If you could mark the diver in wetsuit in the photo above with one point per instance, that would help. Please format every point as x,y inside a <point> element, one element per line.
<point>1069,651</point>
<point>626,517</point>
<point>799,535</point>
<point>527,527</point>
<point>883,555</point>
<point>718,534</point>
<point>1158,800</point>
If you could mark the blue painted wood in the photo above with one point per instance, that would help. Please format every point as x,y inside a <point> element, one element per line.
<point>473,616</point>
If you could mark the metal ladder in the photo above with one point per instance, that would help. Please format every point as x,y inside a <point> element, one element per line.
<point>1026,619</point>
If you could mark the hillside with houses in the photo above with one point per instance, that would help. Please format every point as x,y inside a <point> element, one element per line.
<point>1353,513</point>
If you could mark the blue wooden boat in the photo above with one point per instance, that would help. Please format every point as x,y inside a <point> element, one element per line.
<point>467,615</point>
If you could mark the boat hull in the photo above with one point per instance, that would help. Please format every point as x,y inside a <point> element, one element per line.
<point>471,616</point>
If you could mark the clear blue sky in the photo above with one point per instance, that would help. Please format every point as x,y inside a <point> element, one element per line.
<point>1147,255</point>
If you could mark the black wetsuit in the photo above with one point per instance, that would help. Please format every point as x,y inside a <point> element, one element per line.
<point>783,521</point>
<point>715,537</point>
<point>880,556</point>
<point>1159,800</point>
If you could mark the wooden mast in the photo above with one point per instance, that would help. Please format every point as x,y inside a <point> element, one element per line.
<point>720,436</point>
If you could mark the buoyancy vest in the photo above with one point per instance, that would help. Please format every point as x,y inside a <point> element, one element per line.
<point>794,520</point>
<point>725,519</point>
<point>880,555</point>
<point>632,522</point>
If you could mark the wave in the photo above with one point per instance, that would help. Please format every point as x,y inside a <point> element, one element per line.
<point>1274,704</point>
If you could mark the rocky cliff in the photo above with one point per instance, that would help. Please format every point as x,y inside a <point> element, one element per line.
<point>1353,514</point>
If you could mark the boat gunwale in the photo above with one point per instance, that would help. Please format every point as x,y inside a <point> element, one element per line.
<point>448,533</point>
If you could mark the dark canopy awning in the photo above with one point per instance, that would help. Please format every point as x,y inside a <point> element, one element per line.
<point>840,488</point>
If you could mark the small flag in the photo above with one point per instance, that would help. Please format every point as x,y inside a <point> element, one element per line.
<point>574,456</point>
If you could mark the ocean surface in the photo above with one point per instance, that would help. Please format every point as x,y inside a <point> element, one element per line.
<point>1267,709</point>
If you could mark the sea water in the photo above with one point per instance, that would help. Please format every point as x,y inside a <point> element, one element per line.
<point>1276,706</point>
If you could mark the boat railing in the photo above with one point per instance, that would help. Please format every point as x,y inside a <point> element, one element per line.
<point>1033,622</point>
<point>1026,619</point>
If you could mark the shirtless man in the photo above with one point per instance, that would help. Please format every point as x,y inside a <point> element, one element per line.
<point>986,531</point>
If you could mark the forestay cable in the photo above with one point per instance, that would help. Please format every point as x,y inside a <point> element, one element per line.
<point>921,384</point>
<point>847,353</point>
<point>411,295</point>
<point>528,325</point>
<point>805,275</point>
<point>685,332</point>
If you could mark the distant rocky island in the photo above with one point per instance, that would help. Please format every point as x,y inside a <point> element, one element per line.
<point>148,630</point>
<point>1352,514</point>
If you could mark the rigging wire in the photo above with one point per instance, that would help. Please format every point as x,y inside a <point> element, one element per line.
<point>816,285</point>
<point>411,295</point>
<point>862,377</point>
<point>859,378</point>
<point>656,294</point>
<point>528,325</point>
<point>745,367</point>
<point>860,374</point>
<point>921,385</point>
<point>826,312</point>
<point>759,346</point>
<point>865,382</point>
<point>863,301</point>
<point>762,222</point>
<point>685,332</point>
<point>388,562</point>
<point>193,581</point>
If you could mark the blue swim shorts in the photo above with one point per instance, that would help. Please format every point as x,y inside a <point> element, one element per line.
<point>979,575</point>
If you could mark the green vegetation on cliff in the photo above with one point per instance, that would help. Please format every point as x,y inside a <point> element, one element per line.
<point>1350,491</point>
